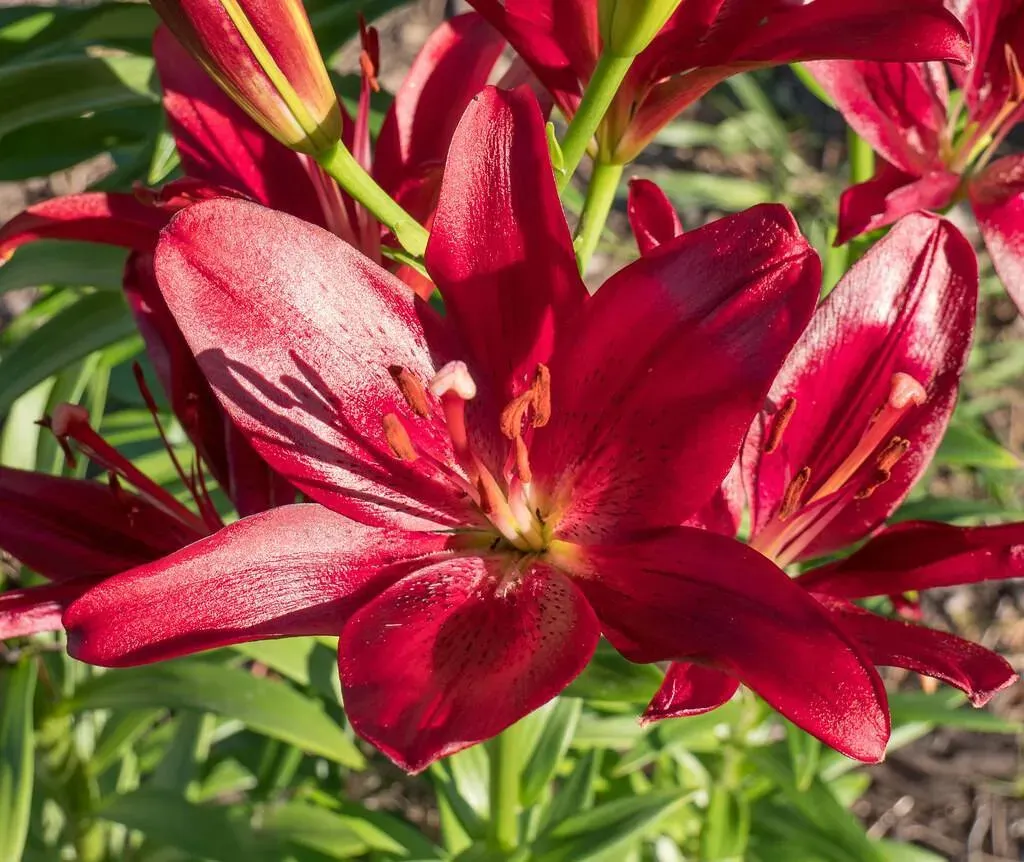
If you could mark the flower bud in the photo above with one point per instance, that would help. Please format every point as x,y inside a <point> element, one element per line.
<point>628,26</point>
<point>263,55</point>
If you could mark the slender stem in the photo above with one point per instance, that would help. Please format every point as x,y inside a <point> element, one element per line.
<point>505,768</point>
<point>604,182</point>
<point>341,165</point>
<point>862,168</point>
<point>604,84</point>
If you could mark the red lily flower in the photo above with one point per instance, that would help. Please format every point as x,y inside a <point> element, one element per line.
<point>854,418</point>
<point>935,148</point>
<point>706,41</point>
<point>223,153</point>
<point>486,484</point>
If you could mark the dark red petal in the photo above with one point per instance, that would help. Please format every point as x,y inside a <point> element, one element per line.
<point>890,195</point>
<point>922,555</point>
<point>38,609</point>
<point>500,249</point>
<point>976,671</point>
<point>997,197</point>
<point>651,215</point>
<point>908,307</point>
<point>686,594</point>
<point>690,689</point>
<point>221,145</point>
<point>110,218</point>
<point>296,332</point>
<point>65,528</point>
<point>449,70</point>
<point>898,108</point>
<point>451,656</point>
<point>295,570</point>
<point>683,326</point>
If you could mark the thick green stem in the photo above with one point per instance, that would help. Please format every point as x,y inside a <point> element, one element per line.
<point>505,769</point>
<point>341,164</point>
<point>604,84</point>
<point>604,182</point>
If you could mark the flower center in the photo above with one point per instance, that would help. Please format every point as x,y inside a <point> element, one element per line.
<point>808,506</point>
<point>507,502</point>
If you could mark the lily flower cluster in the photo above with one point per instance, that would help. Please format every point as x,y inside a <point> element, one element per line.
<point>471,499</point>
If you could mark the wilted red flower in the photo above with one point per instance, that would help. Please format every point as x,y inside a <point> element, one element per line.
<point>936,147</point>
<point>706,41</point>
<point>495,488</point>
<point>853,420</point>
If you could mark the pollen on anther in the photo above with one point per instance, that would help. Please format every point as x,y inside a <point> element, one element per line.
<point>782,417</point>
<point>893,451</point>
<point>794,493</point>
<point>398,438</point>
<point>523,461</point>
<point>412,390</point>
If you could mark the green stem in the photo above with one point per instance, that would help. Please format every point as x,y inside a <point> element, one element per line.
<point>604,84</point>
<point>604,182</point>
<point>341,164</point>
<point>505,768</point>
<point>862,168</point>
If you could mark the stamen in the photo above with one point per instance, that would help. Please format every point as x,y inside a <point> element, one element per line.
<point>454,385</point>
<point>523,461</point>
<point>398,438</point>
<point>454,377</point>
<point>542,396</point>
<point>904,390</point>
<point>896,449</point>
<point>412,390</point>
<point>794,492</point>
<point>537,398</point>
<point>782,417</point>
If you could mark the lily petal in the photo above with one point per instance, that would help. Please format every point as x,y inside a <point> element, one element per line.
<point>65,528</point>
<point>685,594</point>
<point>907,307</point>
<point>451,656</point>
<point>686,326</point>
<point>221,145</point>
<point>295,570</point>
<point>38,609</point>
<point>976,671</point>
<point>651,215</point>
<point>110,218</point>
<point>449,70</point>
<point>690,689</point>
<point>997,198</point>
<point>500,249</point>
<point>922,555</point>
<point>297,332</point>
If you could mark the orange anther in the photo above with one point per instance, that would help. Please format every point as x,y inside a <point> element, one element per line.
<point>398,438</point>
<point>782,417</point>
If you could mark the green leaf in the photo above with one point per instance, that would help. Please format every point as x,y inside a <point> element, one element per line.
<point>20,436</point>
<point>944,708</point>
<point>336,21</point>
<point>93,322</point>
<point>17,757</point>
<point>965,445</point>
<point>726,827</point>
<point>804,755</point>
<point>613,825</point>
<point>551,747</point>
<point>576,793</point>
<point>730,194</point>
<point>318,829</point>
<point>37,33</point>
<point>269,707</point>
<point>206,831</point>
<point>611,678</point>
<point>72,86</point>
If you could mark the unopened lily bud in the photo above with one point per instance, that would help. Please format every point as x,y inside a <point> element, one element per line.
<point>628,26</point>
<point>263,55</point>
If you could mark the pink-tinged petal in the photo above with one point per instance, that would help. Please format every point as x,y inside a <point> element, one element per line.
<point>976,671</point>
<point>298,334</point>
<point>109,218</point>
<point>449,70</point>
<point>702,324</point>
<point>898,108</point>
<point>997,198</point>
<point>690,689</point>
<point>64,528</point>
<point>247,480</point>
<point>558,39</point>
<point>922,555</point>
<point>890,195</point>
<point>453,655</point>
<point>38,609</point>
<point>688,595</point>
<point>907,308</point>
<point>295,570</point>
<point>500,249</point>
<point>220,144</point>
<point>994,26</point>
<point>723,513</point>
<point>651,215</point>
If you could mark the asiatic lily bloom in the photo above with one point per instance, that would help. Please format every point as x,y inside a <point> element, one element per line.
<point>495,488</point>
<point>851,423</point>
<point>223,153</point>
<point>706,41</point>
<point>937,147</point>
